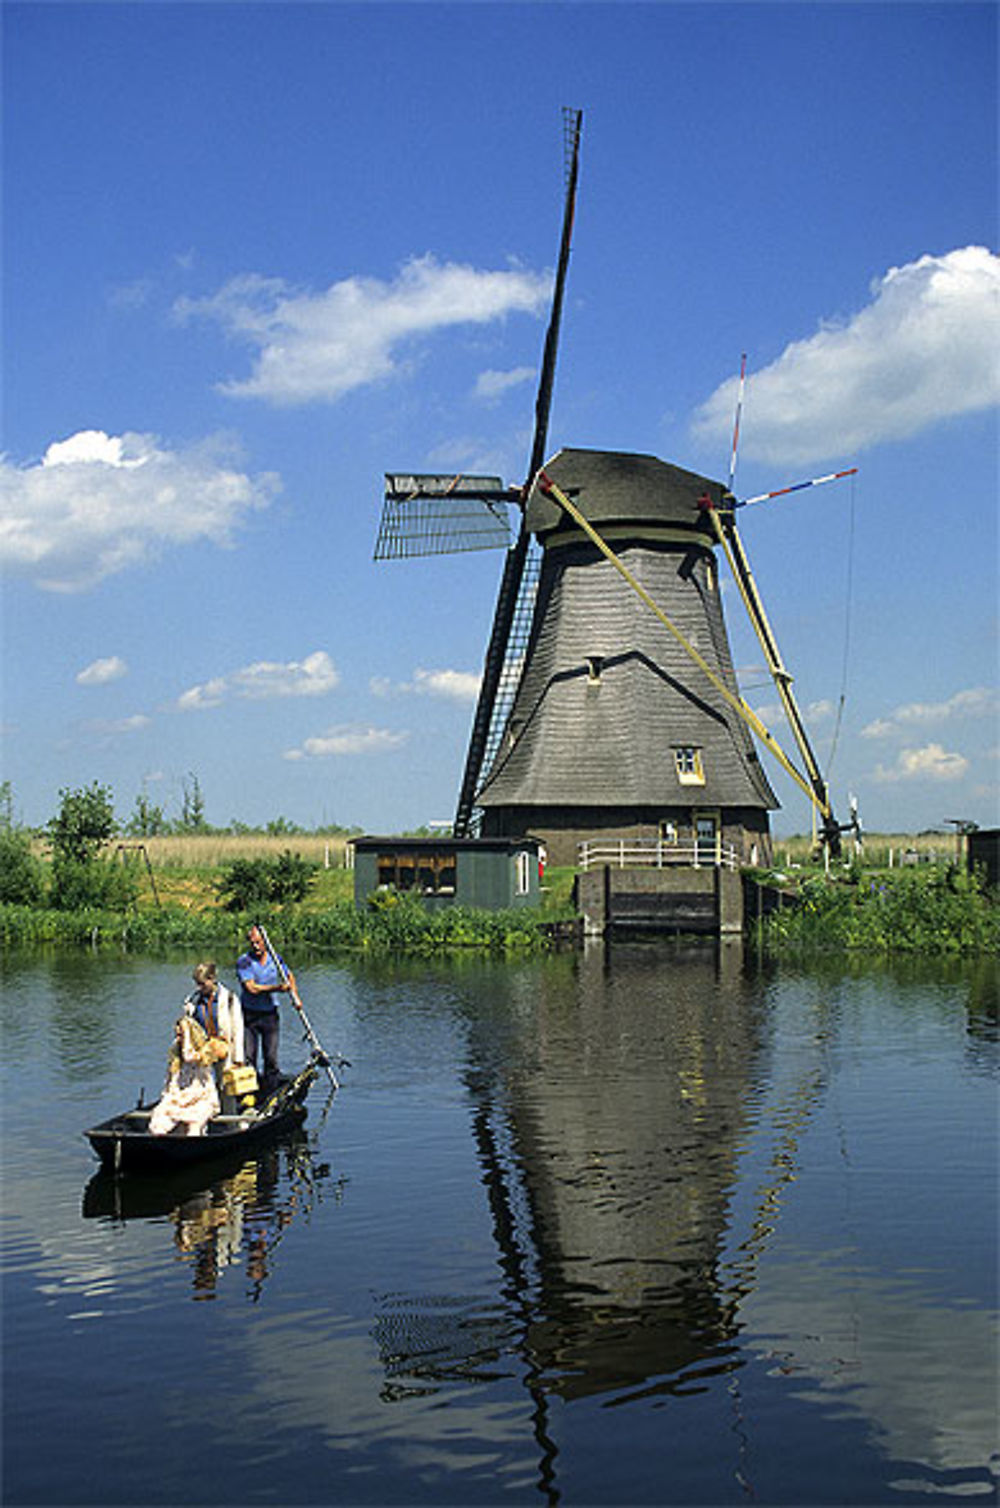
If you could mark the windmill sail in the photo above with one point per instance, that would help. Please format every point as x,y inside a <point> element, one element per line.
<point>510,585</point>
<point>517,649</point>
<point>443,515</point>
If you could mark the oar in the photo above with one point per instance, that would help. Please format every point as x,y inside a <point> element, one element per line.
<point>322,1055</point>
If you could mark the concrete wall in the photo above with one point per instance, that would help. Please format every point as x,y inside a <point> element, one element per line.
<point>663,900</point>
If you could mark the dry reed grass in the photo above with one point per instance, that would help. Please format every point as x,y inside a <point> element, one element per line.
<point>213,850</point>
<point>879,849</point>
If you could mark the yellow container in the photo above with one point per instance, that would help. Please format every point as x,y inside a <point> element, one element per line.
<point>240,1079</point>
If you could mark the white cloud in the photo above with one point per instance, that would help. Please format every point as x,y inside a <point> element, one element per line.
<point>451,685</point>
<point>932,762</point>
<point>350,740</point>
<point>492,385</point>
<point>133,724</point>
<point>98,504</point>
<point>924,349</point>
<point>316,675</point>
<point>976,701</point>
<point>319,346</point>
<point>880,728</point>
<point>455,685</point>
<point>100,672</point>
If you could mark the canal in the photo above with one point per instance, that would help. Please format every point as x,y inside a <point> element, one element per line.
<point>643,1224</point>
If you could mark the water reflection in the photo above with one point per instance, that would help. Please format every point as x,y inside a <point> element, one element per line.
<point>608,1117</point>
<point>238,1218</point>
<point>640,1124</point>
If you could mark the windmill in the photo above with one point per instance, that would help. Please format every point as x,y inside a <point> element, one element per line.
<point>609,704</point>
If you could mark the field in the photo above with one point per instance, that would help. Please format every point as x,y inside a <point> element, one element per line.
<point>184,869</point>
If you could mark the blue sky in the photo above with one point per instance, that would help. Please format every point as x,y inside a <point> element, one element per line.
<point>257,255</point>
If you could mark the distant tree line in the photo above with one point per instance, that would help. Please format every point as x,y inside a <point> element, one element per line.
<point>148,820</point>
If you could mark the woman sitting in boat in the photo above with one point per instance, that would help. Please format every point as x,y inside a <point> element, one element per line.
<point>218,1010</point>
<point>189,1097</point>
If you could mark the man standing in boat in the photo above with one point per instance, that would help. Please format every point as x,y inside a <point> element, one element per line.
<point>263,976</point>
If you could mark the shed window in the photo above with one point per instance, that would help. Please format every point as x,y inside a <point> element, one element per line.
<point>424,873</point>
<point>690,770</point>
<point>523,881</point>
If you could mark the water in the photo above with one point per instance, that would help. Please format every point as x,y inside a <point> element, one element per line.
<point>642,1225</point>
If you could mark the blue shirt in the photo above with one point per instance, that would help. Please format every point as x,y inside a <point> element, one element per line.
<point>262,971</point>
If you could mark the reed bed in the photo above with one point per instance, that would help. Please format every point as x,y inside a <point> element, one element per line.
<point>214,850</point>
<point>880,850</point>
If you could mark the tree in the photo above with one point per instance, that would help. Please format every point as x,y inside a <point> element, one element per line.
<point>192,807</point>
<point>147,820</point>
<point>84,825</point>
<point>81,875</point>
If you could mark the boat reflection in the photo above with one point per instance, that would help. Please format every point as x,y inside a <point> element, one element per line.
<point>222,1218</point>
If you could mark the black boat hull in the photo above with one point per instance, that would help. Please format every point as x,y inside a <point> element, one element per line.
<point>124,1144</point>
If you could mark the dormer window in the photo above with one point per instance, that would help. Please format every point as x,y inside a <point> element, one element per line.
<point>690,770</point>
<point>595,664</point>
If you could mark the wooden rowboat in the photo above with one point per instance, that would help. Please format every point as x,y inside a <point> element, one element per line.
<point>124,1143</point>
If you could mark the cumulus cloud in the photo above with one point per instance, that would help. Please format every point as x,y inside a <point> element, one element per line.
<point>451,685</point>
<point>106,726</point>
<point>931,763</point>
<point>100,672</point>
<point>320,345</point>
<point>492,385</point>
<point>976,701</point>
<point>98,504</point>
<point>348,739</point>
<point>815,712</point>
<point>923,349</point>
<point>313,676</point>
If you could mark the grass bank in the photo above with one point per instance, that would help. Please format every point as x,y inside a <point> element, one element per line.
<point>907,896</point>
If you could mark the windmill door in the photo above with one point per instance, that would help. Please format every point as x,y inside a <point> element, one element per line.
<point>706,838</point>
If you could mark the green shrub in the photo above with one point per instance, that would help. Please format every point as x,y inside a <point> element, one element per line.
<point>21,874</point>
<point>938,910</point>
<point>249,883</point>
<point>85,884</point>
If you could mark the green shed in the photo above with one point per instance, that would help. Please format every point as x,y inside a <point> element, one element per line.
<point>490,874</point>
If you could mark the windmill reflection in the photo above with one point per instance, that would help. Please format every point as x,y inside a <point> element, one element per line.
<point>609,1121</point>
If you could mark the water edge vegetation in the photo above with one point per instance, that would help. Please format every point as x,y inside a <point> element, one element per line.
<point>75,885</point>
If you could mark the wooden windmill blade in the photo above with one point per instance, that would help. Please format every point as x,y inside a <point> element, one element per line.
<point>514,565</point>
<point>429,514</point>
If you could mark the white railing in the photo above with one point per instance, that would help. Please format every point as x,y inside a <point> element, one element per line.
<point>653,853</point>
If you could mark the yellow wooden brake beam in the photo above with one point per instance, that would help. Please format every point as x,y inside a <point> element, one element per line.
<point>737,703</point>
<point>739,564</point>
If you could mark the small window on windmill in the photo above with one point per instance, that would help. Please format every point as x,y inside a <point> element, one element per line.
<point>595,664</point>
<point>690,770</point>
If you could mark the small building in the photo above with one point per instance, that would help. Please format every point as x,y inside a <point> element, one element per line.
<point>489,874</point>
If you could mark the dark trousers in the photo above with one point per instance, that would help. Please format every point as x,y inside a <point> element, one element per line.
<point>262,1027</point>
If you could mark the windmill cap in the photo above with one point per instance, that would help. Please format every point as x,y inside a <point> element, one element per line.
<point>614,487</point>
